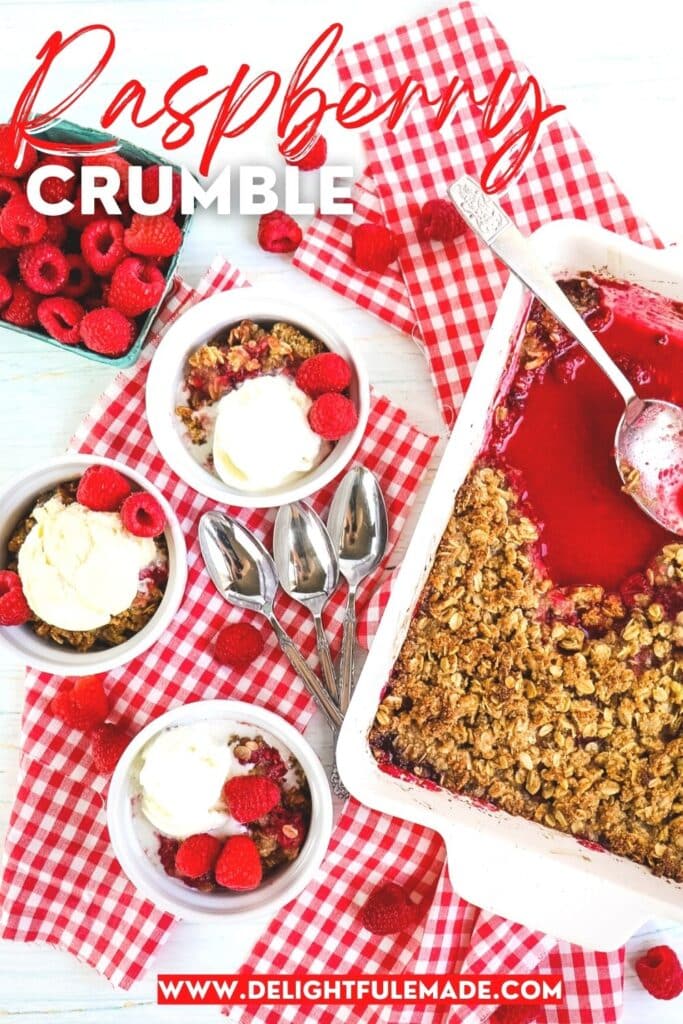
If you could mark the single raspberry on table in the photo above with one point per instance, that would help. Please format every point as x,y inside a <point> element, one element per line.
<point>238,644</point>
<point>142,515</point>
<point>332,416</point>
<point>9,188</point>
<point>102,245</point>
<point>388,910</point>
<point>439,221</point>
<point>153,236</point>
<point>54,190</point>
<point>14,609</point>
<point>107,743</point>
<point>250,797</point>
<point>322,373</point>
<point>22,310</point>
<point>197,855</point>
<point>239,865</point>
<point>81,703</point>
<point>102,489</point>
<point>660,972</point>
<point>5,290</point>
<point>43,268</point>
<point>61,319</point>
<point>374,247</point>
<point>8,165</point>
<point>313,158</point>
<point>119,164</point>
<point>19,222</point>
<point>79,277</point>
<point>278,232</point>
<point>150,188</point>
<point>107,332</point>
<point>136,286</point>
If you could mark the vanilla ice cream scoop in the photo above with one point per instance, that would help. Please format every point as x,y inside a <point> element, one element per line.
<point>78,567</point>
<point>182,773</point>
<point>262,437</point>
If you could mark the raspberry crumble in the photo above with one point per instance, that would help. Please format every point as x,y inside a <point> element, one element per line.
<point>542,671</point>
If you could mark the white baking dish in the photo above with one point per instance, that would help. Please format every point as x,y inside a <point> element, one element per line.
<point>507,865</point>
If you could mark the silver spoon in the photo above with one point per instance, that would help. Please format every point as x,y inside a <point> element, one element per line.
<point>649,438</point>
<point>359,531</point>
<point>244,574</point>
<point>308,569</point>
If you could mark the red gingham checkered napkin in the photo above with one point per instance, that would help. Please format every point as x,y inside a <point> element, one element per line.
<point>452,290</point>
<point>61,882</point>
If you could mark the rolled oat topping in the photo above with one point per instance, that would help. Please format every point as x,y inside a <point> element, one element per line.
<point>563,706</point>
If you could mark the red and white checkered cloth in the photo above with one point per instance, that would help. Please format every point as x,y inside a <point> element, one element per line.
<point>61,882</point>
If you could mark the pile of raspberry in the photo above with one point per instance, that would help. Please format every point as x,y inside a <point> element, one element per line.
<point>85,279</point>
<point>257,801</point>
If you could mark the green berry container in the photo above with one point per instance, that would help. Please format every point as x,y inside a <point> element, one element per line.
<point>67,131</point>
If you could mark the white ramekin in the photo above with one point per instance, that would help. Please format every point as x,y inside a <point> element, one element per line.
<point>172,895</point>
<point>16,500</point>
<point>197,326</point>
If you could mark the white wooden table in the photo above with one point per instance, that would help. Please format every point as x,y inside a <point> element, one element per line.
<point>616,65</point>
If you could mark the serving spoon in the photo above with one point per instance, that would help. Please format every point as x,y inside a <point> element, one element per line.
<point>244,574</point>
<point>648,443</point>
<point>308,569</point>
<point>358,528</point>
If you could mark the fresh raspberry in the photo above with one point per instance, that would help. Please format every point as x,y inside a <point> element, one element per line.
<point>102,489</point>
<point>153,236</point>
<point>250,797</point>
<point>22,311</point>
<point>332,416</point>
<point>107,331</point>
<point>266,760</point>
<point>61,319</point>
<point>5,291</point>
<point>56,231</point>
<point>14,609</point>
<point>314,158</point>
<point>81,703</point>
<point>79,278</point>
<point>660,972</point>
<point>278,232</point>
<point>136,286</point>
<point>107,743</point>
<point>119,164</point>
<point>374,247</point>
<point>43,268</point>
<point>238,644</point>
<point>516,1013</point>
<point>77,220</point>
<point>8,166</point>
<point>142,515</point>
<point>197,855</point>
<point>286,827</point>
<point>150,188</point>
<point>439,221</point>
<point>19,222</point>
<point>9,581</point>
<point>388,910</point>
<point>322,373</point>
<point>9,188</point>
<point>54,190</point>
<point>102,245</point>
<point>239,865</point>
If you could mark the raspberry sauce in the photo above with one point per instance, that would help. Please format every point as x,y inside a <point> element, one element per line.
<point>559,437</point>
